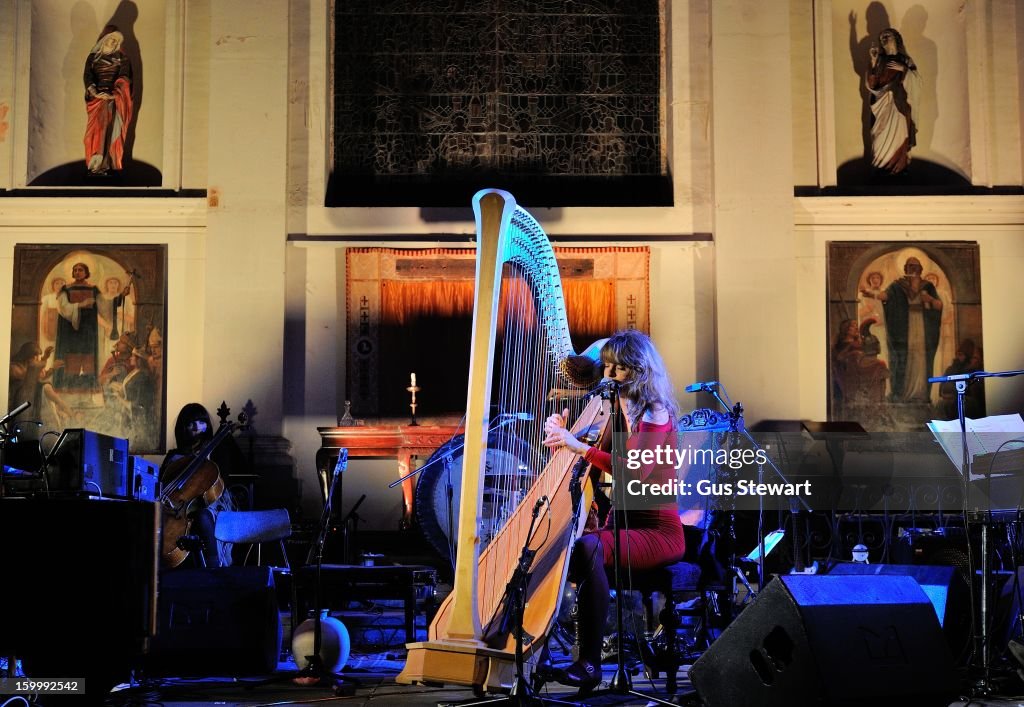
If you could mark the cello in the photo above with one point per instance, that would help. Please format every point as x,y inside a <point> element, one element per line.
<point>195,483</point>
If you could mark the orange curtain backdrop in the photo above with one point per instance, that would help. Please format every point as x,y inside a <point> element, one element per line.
<point>404,301</point>
<point>589,304</point>
<point>411,311</point>
<point>589,308</point>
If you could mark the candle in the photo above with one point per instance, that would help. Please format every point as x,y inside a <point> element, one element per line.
<point>412,379</point>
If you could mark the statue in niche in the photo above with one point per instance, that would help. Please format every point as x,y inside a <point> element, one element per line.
<point>890,80</point>
<point>108,102</point>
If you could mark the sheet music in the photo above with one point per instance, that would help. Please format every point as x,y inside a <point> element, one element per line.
<point>984,436</point>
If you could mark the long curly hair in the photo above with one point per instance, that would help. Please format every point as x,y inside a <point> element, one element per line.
<point>649,386</point>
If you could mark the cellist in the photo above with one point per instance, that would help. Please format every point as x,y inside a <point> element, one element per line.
<point>650,533</point>
<point>193,430</point>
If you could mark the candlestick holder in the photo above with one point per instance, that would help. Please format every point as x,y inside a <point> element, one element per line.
<point>413,389</point>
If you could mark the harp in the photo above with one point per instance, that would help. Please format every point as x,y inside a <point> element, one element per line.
<point>520,345</point>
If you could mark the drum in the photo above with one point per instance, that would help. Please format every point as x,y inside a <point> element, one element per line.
<point>507,476</point>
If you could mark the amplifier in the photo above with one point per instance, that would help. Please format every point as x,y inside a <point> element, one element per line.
<point>145,485</point>
<point>83,461</point>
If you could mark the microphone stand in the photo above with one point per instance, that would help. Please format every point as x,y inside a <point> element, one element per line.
<point>315,668</point>
<point>622,683</point>
<point>736,414</point>
<point>520,694</point>
<point>4,437</point>
<point>961,381</point>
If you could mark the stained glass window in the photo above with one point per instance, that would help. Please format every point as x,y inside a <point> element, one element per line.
<point>558,101</point>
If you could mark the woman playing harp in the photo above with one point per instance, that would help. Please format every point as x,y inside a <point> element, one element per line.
<point>649,537</point>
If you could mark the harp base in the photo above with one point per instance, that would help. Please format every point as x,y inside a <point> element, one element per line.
<point>448,662</point>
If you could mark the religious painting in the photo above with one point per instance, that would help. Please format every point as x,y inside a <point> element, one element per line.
<point>87,340</point>
<point>410,311</point>
<point>899,314</point>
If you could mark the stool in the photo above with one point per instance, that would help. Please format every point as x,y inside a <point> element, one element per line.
<point>673,582</point>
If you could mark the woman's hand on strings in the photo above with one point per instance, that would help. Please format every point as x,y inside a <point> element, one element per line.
<point>558,435</point>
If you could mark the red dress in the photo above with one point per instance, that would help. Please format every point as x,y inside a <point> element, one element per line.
<point>651,537</point>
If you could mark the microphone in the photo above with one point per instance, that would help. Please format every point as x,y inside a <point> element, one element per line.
<point>342,462</point>
<point>15,412</point>
<point>517,415</point>
<point>698,387</point>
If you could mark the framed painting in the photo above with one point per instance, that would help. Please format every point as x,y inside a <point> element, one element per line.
<point>87,340</point>
<point>898,314</point>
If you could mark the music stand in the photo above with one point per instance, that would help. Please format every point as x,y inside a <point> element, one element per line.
<point>961,381</point>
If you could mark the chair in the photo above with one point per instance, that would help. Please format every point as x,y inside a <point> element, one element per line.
<point>255,528</point>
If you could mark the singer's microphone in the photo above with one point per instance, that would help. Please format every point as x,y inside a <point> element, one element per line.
<point>697,387</point>
<point>342,462</point>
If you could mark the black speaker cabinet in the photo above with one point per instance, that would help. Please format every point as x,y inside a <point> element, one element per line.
<point>946,589</point>
<point>829,640</point>
<point>78,586</point>
<point>216,622</point>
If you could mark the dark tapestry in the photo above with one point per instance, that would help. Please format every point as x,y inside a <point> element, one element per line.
<point>559,101</point>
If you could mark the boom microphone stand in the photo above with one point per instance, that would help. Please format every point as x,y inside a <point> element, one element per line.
<point>448,459</point>
<point>315,668</point>
<point>736,415</point>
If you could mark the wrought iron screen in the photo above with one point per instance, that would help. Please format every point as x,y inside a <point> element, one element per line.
<point>559,101</point>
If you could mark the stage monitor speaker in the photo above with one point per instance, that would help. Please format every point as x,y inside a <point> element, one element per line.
<point>87,462</point>
<point>824,640</point>
<point>216,622</point>
<point>946,589</point>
